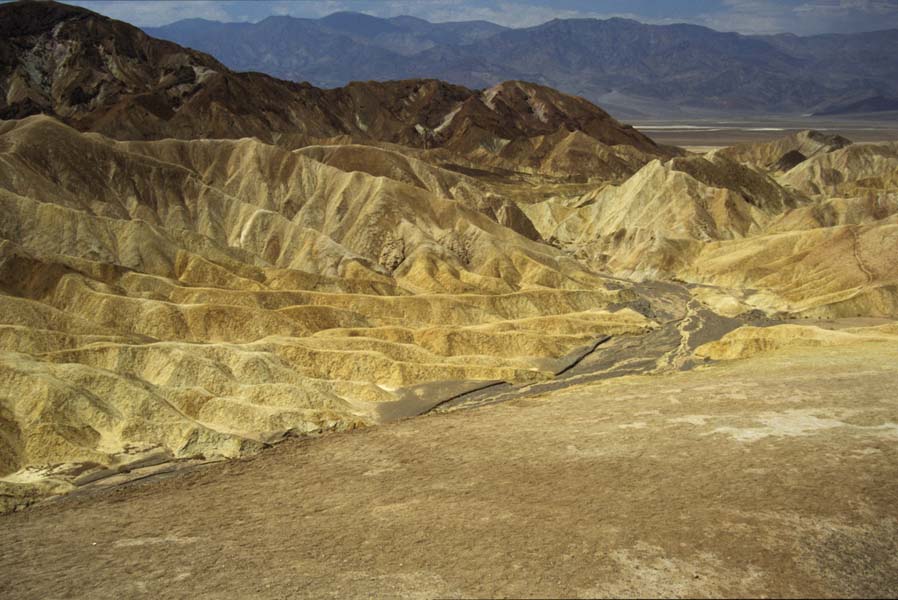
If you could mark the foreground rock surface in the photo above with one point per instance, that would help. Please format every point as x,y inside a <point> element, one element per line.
<point>775,475</point>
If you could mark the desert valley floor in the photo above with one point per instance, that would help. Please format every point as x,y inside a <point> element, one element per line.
<point>706,135</point>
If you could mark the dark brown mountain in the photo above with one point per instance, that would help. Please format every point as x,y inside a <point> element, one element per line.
<point>102,75</point>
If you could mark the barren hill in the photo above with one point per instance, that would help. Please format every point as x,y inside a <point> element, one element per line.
<point>233,289</point>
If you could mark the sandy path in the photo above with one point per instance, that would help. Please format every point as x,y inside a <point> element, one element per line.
<point>776,475</point>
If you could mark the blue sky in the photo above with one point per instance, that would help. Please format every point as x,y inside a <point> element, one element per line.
<point>746,16</point>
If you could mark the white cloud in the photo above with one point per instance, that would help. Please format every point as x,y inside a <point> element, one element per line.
<point>845,7</point>
<point>808,17</point>
<point>503,12</point>
<point>150,13</point>
<point>320,8</point>
<point>749,16</point>
<point>745,16</point>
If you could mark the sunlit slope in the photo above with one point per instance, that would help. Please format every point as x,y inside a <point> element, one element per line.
<point>202,294</point>
<point>816,239</point>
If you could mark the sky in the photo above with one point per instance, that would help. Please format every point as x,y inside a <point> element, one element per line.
<point>804,17</point>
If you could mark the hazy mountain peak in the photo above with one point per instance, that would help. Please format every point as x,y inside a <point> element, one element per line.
<point>359,23</point>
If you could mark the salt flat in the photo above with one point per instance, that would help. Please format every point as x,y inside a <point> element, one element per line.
<point>704,135</point>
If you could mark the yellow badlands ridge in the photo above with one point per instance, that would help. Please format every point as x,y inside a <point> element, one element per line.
<point>177,299</point>
<point>198,298</point>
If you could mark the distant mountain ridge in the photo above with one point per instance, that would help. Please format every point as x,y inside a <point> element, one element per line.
<point>627,66</point>
<point>329,52</point>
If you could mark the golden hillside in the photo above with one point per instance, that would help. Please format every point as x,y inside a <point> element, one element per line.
<point>205,295</point>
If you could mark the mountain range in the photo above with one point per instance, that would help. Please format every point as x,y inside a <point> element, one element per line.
<point>631,68</point>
